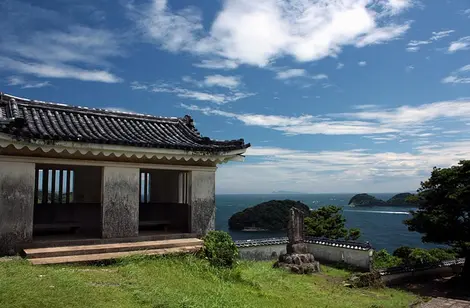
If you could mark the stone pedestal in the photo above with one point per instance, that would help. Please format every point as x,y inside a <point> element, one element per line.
<point>297,259</point>
<point>299,263</point>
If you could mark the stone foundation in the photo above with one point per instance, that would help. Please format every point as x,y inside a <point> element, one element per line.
<point>299,263</point>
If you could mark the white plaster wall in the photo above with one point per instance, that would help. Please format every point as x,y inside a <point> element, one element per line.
<point>265,252</point>
<point>358,258</point>
<point>202,201</point>
<point>120,205</point>
<point>16,204</point>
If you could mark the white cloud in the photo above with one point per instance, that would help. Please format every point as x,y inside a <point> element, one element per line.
<point>417,43</point>
<point>397,6</point>
<point>382,35</point>
<point>57,71</point>
<point>217,64</point>
<point>258,32</point>
<point>462,75</point>
<point>441,34</point>
<point>409,68</point>
<point>414,45</point>
<point>369,120</point>
<point>362,63</point>
<point>217,98</point>
<point>62,54</point>
<point>230,82</point>
<point>339,66</point>
<point>26,84</point>
<point>412,49</point>
<point>320,77</point>
<point>461,44</point>
<point>466,12</point>
<point>291,73</point>
<point>351,170</point>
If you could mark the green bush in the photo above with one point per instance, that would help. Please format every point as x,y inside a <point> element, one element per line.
<point>403,252</point>
<point>382,259</point>
<point>420,256</point>
<point>442,254</point>
<point>219,249</point>
<point>353,234</point>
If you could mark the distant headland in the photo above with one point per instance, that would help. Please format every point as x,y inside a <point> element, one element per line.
<point>287,192</point>
<point>369,200</point>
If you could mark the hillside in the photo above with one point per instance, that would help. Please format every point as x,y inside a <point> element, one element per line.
<point>271,215</point>
<point>400,200</point>
<point>365,200</point>
<point>175,282</point>
<point>369,200</point>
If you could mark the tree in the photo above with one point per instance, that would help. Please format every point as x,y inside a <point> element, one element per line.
<point>328,221</point>
<point>443,214</point>
<point>354,234</point>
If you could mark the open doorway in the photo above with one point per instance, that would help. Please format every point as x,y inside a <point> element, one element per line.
<point>67,202</point>
<point>164,203</point>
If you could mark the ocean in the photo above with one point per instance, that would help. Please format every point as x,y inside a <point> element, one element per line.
<point>382,226</point>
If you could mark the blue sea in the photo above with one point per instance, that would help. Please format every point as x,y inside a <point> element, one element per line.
<point>382,226</point>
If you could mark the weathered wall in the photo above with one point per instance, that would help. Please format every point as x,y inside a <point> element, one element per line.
<point>164,186</point>
<point>120,205</point>
<point>266,252</point>
<point>355,257</point>
<point>87,184</point>
<point>16,204</point>
<point>202,201</point>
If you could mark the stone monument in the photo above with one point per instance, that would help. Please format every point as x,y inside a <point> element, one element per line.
<point>297,259</point>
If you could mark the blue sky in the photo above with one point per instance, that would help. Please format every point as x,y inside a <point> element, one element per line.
<point>334,96</point>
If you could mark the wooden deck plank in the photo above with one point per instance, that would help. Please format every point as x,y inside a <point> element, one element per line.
<point>104,248</point>
<point>114,255</point>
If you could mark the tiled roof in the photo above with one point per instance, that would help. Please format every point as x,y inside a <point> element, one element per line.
<point>308,240</point>
<point>422,267</point>
<point>29,120</point>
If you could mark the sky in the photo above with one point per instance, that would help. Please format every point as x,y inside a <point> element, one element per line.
<point>333,95</point>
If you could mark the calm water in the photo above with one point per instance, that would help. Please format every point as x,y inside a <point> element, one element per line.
<point>382,226</point>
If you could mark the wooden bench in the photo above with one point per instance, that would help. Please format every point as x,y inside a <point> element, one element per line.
<point>69,226</point>
<point>155,223</point>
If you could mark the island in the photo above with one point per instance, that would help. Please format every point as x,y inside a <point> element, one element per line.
<point>267,216</point>
<point>369,200</point>
<point>365,200</point>
<point>400,200</point>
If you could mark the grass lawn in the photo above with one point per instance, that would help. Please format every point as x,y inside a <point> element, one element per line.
<point>182,281</point>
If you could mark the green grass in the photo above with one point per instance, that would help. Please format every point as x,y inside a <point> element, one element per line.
<point>183,281</point>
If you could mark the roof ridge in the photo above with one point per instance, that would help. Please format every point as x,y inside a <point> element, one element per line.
<point>101,111</point>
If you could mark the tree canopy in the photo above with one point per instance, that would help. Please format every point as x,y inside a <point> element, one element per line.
<point>328,221</point>
<point>443,214</point>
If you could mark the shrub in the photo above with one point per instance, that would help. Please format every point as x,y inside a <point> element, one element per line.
<point>382,259</point>
<point>403,252</point>
<point>420,256</point>
<point>219,249</point>
<point>353,234</point>
<point>365,280</point>
<point>442,254</point>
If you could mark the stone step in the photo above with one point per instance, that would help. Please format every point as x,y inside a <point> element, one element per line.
<point>41,242</point>
<point>49,252</point>
<point>113,255</point>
